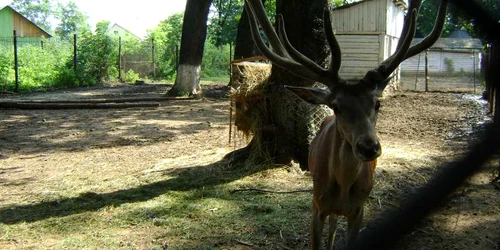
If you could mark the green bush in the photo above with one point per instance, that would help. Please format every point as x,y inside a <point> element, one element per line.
<point>6,67</point>
<point>131,76</point>
<point>38,66</point>
<point>113,73</point>
<point>66,77</point>
<point>450,65</point>
<point>216,61</point>
<point>96,53</point>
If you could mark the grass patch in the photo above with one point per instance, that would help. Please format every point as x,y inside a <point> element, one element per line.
<point>190,209</point>
<point>214,79</point>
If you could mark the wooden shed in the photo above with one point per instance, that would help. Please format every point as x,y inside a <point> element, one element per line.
<point>11,20</point>
<point>368,32</point>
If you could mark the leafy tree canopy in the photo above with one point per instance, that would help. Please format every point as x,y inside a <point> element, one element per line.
<point>167,36</point>
<point>38,11</point>
<point>72,20</point>
<point>225,15</point>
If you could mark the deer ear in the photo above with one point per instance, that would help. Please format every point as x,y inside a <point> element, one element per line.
<point>311,95</point>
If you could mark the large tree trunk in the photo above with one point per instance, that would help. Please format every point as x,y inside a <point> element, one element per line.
<point>289,124</point>
<point>194,33</point>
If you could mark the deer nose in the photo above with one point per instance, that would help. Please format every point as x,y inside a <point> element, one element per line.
<point>369,149</point>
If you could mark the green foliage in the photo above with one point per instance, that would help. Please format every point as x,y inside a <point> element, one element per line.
<point>66,77</point>
<point>6,64</point>
<point>427,16</point>
<point>224,20</point>
<point>72,21</point>
<point>38,11</point>
<point>39,68</point>
<point>215,61</point>
<point>131,76</point>
<point>167,36</point>
<point>113,73</point>
<point>450,65</point>
<point>96,53</point>
<point>463,22</point>
<point>337,3</point>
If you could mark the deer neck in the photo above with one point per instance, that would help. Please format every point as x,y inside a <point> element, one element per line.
<point>346,167</point>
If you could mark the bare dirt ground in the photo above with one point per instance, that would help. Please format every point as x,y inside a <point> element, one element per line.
<point>41,149</point>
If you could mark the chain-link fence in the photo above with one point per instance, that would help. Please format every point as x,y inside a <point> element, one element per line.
<point>41,63</point>
<point>29,61</point>
<point>139,58</point>
<point>452,64</point>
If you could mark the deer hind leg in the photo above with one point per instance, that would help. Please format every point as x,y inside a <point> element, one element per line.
<point>318,221</point>
<point>332,219</point>
<point>353,225</point>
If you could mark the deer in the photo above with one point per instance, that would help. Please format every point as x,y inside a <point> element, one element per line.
<point>343,154</point>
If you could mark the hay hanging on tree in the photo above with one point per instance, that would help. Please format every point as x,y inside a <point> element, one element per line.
<point>266,110</point>
<point>248,80</point>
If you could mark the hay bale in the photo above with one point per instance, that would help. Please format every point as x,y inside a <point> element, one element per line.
<point>247,83</point>
<point>248,77</point>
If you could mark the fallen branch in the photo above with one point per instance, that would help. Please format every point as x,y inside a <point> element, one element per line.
<point>22,105</point>
<point>104,100</point>
<point>270,191</point>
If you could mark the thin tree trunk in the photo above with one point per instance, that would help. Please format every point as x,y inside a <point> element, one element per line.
<point>194,33</point>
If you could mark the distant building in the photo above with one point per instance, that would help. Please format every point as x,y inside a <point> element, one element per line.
<point>119,31</point>
<point>367,32</point>
<point>459,53</point>
<point>11,20</point>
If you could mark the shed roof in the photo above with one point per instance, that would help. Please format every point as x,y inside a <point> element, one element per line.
<point>126,30</point>
<point>400,3</point>
<point>454,43</point>
<point>44,31</point>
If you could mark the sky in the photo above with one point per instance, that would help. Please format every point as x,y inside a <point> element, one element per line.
<point>135,16</point>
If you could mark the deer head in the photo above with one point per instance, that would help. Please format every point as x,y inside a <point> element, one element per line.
<point>355,105</point>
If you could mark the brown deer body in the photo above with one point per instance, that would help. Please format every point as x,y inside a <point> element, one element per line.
<point>342,156</point>
<point>342,183</point>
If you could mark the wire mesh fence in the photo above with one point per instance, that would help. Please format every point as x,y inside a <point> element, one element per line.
<point>36,62</point>
<point>450,70</point>
<point>139,58</point>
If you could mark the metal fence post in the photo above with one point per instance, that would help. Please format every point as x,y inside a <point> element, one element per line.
<point>474,69</point>
<point>16,64</point>
<point>418,68</point>
<point>153,54</point>
<point>426,70</point>
<point>120,66</point>
<point>74,55</point>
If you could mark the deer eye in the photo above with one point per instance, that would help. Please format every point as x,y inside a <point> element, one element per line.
<point>377,105</point>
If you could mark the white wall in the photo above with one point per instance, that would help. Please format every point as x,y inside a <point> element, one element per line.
<point>360,53</point>
<point>462,61</point>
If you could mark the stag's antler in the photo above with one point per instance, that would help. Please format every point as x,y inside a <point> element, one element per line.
<point>403,50</point>
<point>285,55</point>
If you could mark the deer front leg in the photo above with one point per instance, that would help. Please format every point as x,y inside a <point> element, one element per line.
<point>318,221</point>
<point>332,218</point>
<point>353,225</point>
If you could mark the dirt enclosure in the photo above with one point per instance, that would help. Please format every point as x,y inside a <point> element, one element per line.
<point>154,178</point>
